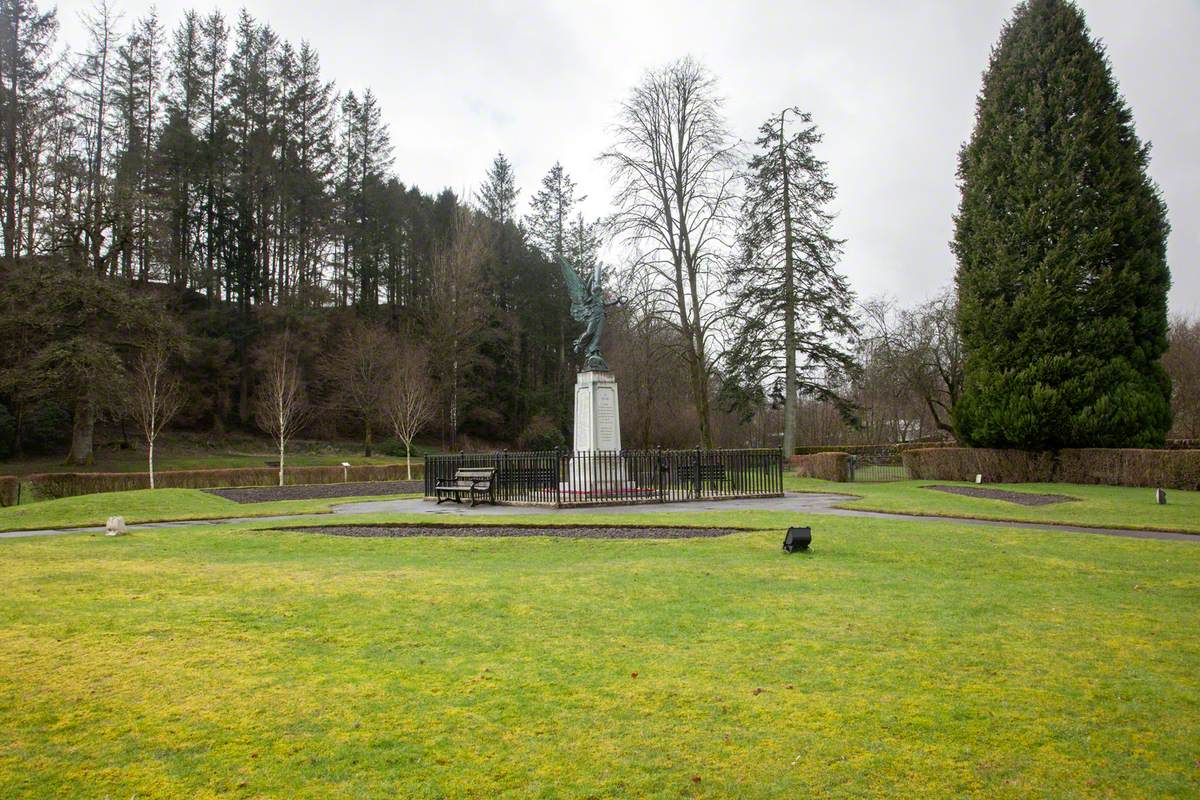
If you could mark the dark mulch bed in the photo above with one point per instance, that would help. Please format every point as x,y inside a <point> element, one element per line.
<point>264,494</point>
<point>1020,498</point>
<point>568,532</point>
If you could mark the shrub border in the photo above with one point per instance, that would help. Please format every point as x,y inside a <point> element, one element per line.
<point>10,490</point>
<point>51,485</point>
<point>1167,469</point>
<point>828,466</point>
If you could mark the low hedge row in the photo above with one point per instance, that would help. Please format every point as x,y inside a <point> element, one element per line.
<point>1168,469</point>
<point>862,449</point>
<point>9,490</point>
<point>69,484</point>
<point>825,466</point>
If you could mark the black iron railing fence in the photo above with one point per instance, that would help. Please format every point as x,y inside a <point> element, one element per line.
<point>560,478</point>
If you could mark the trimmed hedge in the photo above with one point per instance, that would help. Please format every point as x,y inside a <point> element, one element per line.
<point>825,466</point>
<point>1167,469</point>
<point>9,490</point>
<point>70,484</point>
<point>863,449</point>
<point>964,463</point>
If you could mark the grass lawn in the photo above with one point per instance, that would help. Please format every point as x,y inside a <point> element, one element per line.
<point>897,659</point>
<point>157,505</point>
<point>192,451</point>
<point>1099,506</point>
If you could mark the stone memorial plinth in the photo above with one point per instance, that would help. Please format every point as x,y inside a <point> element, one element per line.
<point>597,413</point>
<point>597,429</point>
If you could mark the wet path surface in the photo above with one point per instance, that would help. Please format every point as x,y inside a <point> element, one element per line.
<point>795,502</point>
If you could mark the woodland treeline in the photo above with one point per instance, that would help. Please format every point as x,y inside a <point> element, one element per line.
<point>200,183</point>
<point>209,173</point>
<point>194,193</point>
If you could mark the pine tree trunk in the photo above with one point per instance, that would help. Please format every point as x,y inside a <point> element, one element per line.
<point>82,430</point>
<point>701,373</point>
<point>789,304</point>
<point>367,437</point>
<point>11,115</point>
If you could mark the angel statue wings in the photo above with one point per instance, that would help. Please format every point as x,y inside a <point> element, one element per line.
<point>588,306</point>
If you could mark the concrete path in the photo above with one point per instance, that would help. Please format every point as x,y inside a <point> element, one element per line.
<point>793,502</point>
<point>796,502</point>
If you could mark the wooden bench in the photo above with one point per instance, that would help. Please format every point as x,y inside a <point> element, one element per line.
<point>478,483</point>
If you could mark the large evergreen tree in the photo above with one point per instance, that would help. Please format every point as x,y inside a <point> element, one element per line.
<point>498,195</point>
<point>548,224</point>
<point>26,40</point>
<point>1061,246</point>
<point>793,308</point>
<point>210,171</point>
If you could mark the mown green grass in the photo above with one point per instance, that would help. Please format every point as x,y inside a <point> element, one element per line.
<point>1097,506</point>
<point>154,505</point>
<point>133,461</point>
<point>897,659</point>
<point>180,451</point>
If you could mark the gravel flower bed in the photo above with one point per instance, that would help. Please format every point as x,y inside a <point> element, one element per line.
<point>317,491</point>
<point>1020,498</point>
<point>568,532</point>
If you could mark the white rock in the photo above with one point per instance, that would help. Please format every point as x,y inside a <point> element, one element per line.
<point>115,526</point>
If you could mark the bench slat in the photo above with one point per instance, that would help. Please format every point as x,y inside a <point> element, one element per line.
<point>475,481</point>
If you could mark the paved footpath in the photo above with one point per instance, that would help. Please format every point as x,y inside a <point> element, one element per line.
<point>795,502</point>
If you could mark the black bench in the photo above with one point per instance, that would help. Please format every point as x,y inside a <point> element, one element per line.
<point>475,482</point>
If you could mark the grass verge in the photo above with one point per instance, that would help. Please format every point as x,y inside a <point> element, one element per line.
<point>155,505</point>
<point>897,659</point>
<point>1096,506</point>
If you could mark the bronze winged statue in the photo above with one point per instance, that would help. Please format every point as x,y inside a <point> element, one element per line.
<point>588,306</point>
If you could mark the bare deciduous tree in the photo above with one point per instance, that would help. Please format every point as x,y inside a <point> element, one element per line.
<point>640,345</point>
<point>281,408</point>
<point>408,400</point>
<point>156,394</point>
<point>673,166</point>
<point>358,368</point>
<point>1182,362</point>
<point>921,347</point>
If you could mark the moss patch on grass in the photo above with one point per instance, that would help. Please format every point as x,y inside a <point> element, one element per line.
<point>894,659</point>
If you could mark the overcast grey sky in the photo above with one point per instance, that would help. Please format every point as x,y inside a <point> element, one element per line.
<point>892,85</point>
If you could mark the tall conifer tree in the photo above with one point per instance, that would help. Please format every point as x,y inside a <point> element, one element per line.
<point>548,224</point>
<point>26,40</point>
<point>1061,246</point>
<point>794,308</point>
<point>498,196</point>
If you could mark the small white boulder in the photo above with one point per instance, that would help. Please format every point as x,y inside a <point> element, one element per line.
<point>115,526</point>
